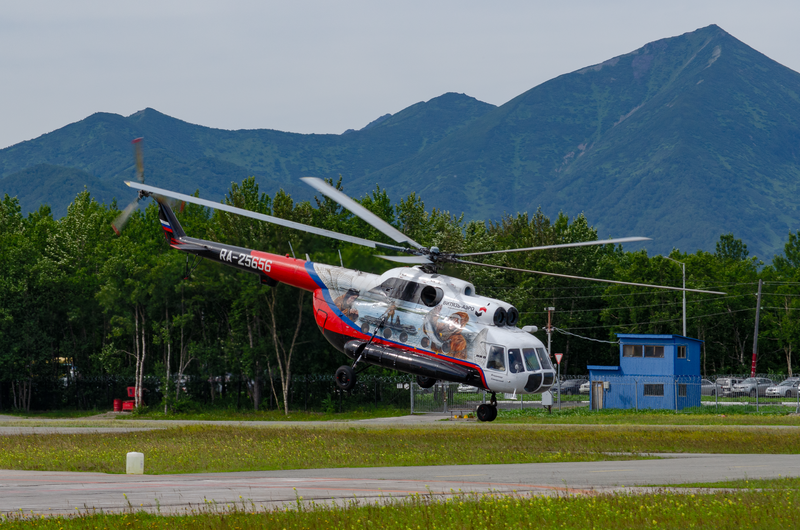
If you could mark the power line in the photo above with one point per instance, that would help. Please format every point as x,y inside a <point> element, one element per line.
<point>666,320</point>
<point>565,332</point>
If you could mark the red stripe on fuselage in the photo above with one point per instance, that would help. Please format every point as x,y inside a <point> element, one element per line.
<point>329,320</point>
<point>290,271</point>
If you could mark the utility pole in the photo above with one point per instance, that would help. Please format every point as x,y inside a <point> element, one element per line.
<point>549,331</point>
<point>755,335</point>
<point>683,269</point>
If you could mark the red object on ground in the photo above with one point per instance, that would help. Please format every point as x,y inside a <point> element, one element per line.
<point>128,405</point>
<point>117,405</point>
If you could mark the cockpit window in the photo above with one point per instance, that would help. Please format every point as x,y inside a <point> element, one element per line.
<point>496,359</point>
<point>531,361</point>
<point>544,358</point>
<point>515,361</point>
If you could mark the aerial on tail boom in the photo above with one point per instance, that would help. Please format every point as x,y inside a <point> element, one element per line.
<point>410,319</point>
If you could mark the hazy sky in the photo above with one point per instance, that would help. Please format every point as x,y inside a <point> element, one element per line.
<point>323,67</point>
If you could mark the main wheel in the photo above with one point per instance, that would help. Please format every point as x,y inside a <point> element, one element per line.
<point>345,377</point>
<point>486,412</point>
<point>425,382</point>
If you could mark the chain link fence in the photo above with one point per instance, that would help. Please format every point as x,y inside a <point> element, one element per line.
<point>319,393</point>
<point>307,392</point>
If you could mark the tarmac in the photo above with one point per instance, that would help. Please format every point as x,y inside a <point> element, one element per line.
<point>56,493</point>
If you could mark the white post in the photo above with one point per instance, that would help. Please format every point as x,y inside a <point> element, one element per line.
<point>683,272</point>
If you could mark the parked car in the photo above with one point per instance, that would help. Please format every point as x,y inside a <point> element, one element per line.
<point>570,386</point>
<point>584,389</point>
<point>787,388</point>
<point>466,388</point>
<point>726,384</point>
<point>751,385</point>
<point>709,388</point>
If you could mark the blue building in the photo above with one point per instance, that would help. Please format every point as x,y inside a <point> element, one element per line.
<point>654,372</point>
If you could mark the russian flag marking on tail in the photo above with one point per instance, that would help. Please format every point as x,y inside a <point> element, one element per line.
<point>165,225</point>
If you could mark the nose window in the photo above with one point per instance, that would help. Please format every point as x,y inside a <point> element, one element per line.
<point>544,358</point>
<point>531,360</point>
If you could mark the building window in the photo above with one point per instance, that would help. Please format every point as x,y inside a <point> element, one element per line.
<point>681,352</point>
<point>656,390</point>
<point>632,350</point>
<point>681,390</point>
<point>654,351</point>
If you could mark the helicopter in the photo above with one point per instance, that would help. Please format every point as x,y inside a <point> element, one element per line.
<point>410,318</point>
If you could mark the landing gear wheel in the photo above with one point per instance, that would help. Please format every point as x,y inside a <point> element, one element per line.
<point>345,377</point>
<point>486,412</point>
<point>425,382</point>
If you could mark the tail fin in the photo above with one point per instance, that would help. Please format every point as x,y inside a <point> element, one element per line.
<point>172,228</point>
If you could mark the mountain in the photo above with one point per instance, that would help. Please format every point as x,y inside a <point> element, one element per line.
<point>682,140</point>
<point>186,157</point>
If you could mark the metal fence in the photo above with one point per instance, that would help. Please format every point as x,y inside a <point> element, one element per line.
<point>315,392</point>
<point>306,392</point>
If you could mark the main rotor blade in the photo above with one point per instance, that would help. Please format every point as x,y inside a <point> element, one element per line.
<point>589,279</point>
<point>417,260</point>
<point>331,192</point>
<point>565,245</point>
<point>263,217</point>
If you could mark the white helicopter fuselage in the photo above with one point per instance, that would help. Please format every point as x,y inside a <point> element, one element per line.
<point>433,315</point>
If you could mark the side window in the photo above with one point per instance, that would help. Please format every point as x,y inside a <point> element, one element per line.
<point>654,351</point>
<point>496,359</point>
<point>656,390</point>
<point>681,352</point>
<point>515,361</point>
<point>632,350</point>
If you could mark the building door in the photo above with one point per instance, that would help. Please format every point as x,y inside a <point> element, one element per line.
<point>597,395</point>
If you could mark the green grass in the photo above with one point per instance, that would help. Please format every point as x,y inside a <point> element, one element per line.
<point>198,449</point>
<point>699,416</point>
<point>778,483</point>
<point>722,511</point>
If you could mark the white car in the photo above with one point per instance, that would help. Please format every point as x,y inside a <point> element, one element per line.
<point>584,389</point>
<point>786,389</point>
<point>467,388</point>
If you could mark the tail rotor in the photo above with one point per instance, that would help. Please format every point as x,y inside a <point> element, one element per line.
<point>122,218</point>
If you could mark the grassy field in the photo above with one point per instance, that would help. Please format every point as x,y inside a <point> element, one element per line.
<point>721,511</point>
<point>582,415</point>
<point>780,483</point>
<point>197,449</point>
